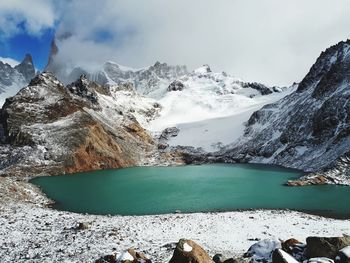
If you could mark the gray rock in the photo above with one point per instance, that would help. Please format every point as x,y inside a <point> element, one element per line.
<point>325,246</point>
<point>176,86</point>
<point>82,226</point>
<point>262,250</point>
<point>219,258</point>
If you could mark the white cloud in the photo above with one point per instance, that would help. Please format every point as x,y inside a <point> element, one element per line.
<point>12,62</point>
<point>36,15</point>
<point>272,41</point>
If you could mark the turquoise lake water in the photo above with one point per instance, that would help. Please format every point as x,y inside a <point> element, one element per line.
<point>214,187</point>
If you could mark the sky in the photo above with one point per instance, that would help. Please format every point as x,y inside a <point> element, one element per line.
<point>270,41</point>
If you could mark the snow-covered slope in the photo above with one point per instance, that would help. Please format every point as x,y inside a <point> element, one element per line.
<point>14,76</point>
<point>308,129</point>
<point>209,108</point>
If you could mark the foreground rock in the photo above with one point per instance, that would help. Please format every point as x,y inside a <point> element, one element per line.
<point>263,250</point>
<point>326,246</point>
<point>187,251</point>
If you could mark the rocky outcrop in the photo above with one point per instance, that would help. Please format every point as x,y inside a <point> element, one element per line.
<point>176,85</point>
<point>308,129</point>
<point>49,128</point>
<point>264,90</point>
<point>187,251</point>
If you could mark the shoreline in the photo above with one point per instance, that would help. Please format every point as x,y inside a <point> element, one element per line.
<point>321,213</point>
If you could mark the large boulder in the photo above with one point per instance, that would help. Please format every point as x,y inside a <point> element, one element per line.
<point>262,250</point>
<point>187,251</point>
<point>325,246</point>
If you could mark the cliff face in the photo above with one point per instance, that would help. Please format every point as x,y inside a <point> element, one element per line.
<point>310,128</point>
<point>48,128</point>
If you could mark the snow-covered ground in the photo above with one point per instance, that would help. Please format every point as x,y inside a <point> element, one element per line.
<point>211,134</point>
<point>33,234</point>
<point>208,112</point>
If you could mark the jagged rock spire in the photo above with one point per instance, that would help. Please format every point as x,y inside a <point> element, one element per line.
<point>26,67</point>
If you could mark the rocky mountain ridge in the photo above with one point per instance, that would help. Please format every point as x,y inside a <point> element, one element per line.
<point>308,129</point>
<point>49,128</point>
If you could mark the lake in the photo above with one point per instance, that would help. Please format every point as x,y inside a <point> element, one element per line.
<point>203,188</point>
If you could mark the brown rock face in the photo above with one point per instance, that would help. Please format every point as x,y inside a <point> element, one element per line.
<point>318,180</point>
<point>187,251</point>
<point>99,151</point>
<point>325,246</point>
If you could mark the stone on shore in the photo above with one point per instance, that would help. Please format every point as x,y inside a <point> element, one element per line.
<point>187,251</point>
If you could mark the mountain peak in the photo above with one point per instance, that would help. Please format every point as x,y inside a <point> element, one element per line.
<point>325,72</point>
<point>28,59</point>
<point>26,67</point>
<point>203,70</point>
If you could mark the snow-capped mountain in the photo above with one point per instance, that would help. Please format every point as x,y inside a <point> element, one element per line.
<point>218,103</point>
<point>14,77</point>
<point>308,129</point>
<point>151,81</point>
<point>209,108</point>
